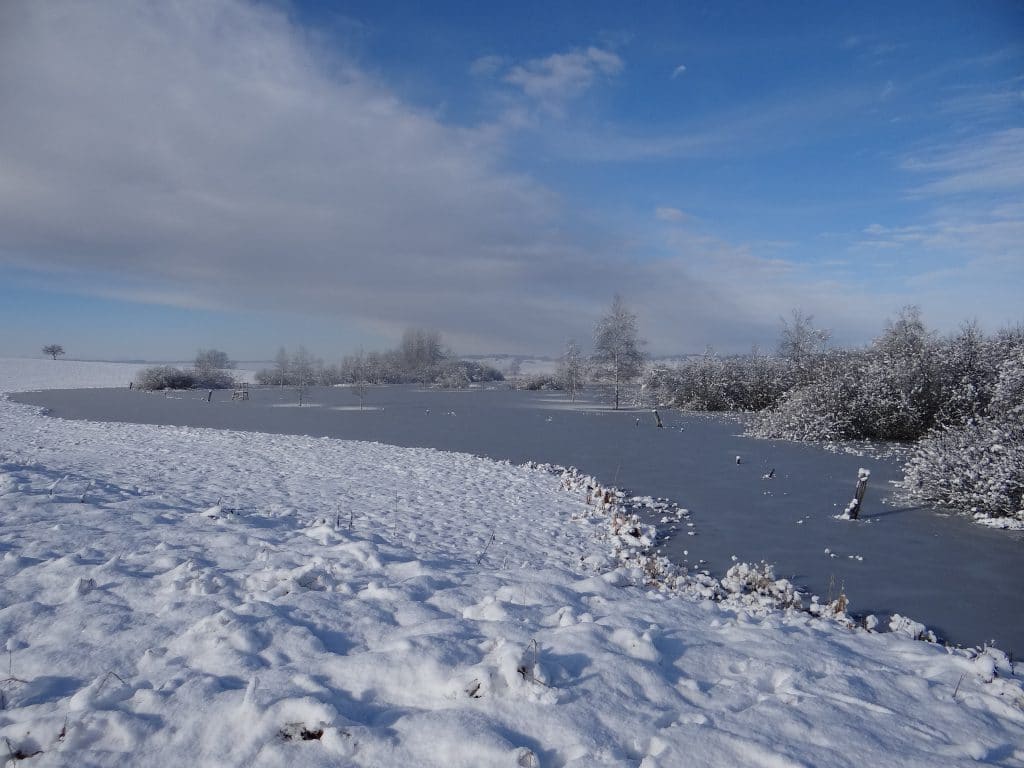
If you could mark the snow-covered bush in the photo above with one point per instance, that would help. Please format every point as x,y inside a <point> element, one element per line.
<point>913,629</point>
<point>540,382</point>
<point>758,579</point>
<point>820,410</point>
<point>906,383</point>
<point>169,377</point>
<point>977,466</point>
<point>711,383</point>
<point>164,377</point>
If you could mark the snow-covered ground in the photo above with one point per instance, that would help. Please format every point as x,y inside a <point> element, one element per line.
<point>174,596</point>
<point>24,374</point>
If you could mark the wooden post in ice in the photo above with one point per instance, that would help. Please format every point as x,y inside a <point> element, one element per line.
<point>853,510</point>
<point>658,417</point>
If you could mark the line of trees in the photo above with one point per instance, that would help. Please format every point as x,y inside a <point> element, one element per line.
<point>420,358</point>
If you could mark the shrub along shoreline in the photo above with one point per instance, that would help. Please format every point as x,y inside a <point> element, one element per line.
<point>957,401</point>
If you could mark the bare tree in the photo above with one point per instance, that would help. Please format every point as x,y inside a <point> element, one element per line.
<point>360,377</point>
<point>303,367</point>
<point>572,369</point>
<point>53,350</point>
<point>211,369</point>
<point>801,343</point>
<point>282,366</point>
<point>420,352</point>
<point>212,360</point>
<point>617,357</point>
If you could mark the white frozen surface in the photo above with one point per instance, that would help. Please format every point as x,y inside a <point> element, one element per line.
<point>174,596</point>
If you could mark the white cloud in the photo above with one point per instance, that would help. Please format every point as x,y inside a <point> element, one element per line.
<point>681,69</point>
<point>556,79</point>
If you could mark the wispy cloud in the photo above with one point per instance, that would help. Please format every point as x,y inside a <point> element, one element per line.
<point>875,48</point>
<point>680,70</point>
<point>994,233</point>
<point>556,79</point>
<point>988,101</point>
<point>993,162</point>
<point>666,213</point>
<point>486,66</point>
<point>768,125</point>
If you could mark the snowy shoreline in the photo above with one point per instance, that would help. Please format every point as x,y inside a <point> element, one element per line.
<point>177,596</point>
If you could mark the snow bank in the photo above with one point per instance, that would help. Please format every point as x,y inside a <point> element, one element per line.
<point>174,596</point>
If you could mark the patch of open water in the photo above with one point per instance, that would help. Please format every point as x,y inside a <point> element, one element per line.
<point>962,580</point>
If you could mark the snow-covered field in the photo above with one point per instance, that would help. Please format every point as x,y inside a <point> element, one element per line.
<point>174,596</point>
<point>24,374</point>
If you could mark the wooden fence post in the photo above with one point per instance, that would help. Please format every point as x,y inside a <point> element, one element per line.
<point>853,510</point>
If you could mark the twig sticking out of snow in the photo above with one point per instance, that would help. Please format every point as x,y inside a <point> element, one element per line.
<point>480,557</point>
<point>53,487</point>
<point>107,677</point>
<point>14,755</point>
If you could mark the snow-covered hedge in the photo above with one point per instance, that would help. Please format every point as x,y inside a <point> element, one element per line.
<point>977,466</point>
<point>907,383</point>
<point>821,410</point>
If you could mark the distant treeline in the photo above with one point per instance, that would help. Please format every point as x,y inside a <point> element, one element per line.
<point>420,358</point>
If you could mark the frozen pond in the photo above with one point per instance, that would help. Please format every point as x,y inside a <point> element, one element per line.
<point>962,580</point>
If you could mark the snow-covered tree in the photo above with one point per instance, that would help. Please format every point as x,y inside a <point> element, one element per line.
<point>53,350</point>
<point>282,367</point>
<point>801,344</point>
<point>360,377</point>
<point>420,352</point>
<point>303,367</point>
<point>212,360</point>
<point>210,370</point>
<point>571,369</point>
<point>617,357</point>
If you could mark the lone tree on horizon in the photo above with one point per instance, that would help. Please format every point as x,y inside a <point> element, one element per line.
<point>617,357</point>
<point>53,350</point>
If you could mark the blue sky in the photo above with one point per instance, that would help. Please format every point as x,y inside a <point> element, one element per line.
<point>246,175</point>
